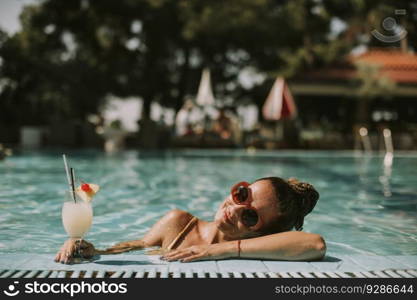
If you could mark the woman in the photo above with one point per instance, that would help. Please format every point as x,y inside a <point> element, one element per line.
<point>254,221</point>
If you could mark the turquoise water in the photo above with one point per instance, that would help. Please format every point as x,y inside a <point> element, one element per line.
<point>364,208</point>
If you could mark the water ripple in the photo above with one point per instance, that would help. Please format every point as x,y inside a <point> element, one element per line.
<point>364,208</point>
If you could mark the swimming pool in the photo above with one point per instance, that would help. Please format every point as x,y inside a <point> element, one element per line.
<point>364,208</point>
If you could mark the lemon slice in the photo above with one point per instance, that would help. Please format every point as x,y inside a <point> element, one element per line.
<point>87,191</point>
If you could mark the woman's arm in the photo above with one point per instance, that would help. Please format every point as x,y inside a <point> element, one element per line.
<point>87,249</point>
<point>122,247</point>
<point>291,245</point>
<point>165,228</point>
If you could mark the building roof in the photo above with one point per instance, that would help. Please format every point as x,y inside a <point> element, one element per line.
<point>390,59</point>
<point>401,67</point>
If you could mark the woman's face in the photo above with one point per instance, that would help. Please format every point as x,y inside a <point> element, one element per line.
<point>262,199</point>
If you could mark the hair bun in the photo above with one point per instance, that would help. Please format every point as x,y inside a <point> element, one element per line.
<point>308,194</point>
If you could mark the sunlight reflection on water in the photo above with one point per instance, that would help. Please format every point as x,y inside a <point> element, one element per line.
<point>363,209</point>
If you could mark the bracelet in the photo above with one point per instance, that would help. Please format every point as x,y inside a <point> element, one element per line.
<point>238,248</point>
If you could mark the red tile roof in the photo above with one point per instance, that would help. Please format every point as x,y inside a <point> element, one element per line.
<point>398,66</point>
<point>388,59</point>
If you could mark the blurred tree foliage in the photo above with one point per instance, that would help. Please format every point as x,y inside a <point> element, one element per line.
<point>70,54</point>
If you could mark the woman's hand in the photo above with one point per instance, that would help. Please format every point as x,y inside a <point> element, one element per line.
<point>73,246</point>
<point>66,252</point>
<point>195,253</point>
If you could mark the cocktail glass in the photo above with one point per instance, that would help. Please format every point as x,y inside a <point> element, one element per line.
<point>77,216</point>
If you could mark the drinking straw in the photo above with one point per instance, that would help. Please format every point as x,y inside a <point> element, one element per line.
<point>67,170</point>
<point>72,183</point>
<point>68,176</point>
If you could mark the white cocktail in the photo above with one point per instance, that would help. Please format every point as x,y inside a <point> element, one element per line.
<point>77,213</point>
<point>76,216</point>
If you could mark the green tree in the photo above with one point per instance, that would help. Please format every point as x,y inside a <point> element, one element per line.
<point>70,54</point>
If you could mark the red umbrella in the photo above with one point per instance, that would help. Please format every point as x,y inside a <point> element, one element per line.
<point>280,103</point>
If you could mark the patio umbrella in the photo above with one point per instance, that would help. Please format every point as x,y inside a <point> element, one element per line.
<point>280,103</point>
<point>205,94</point>
<point>205,99</point>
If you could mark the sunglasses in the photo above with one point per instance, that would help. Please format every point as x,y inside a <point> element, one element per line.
<point>240,195</point>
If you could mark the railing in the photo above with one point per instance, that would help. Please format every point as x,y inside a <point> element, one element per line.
<point>366,142</point>
<point>389,148</point>
<point>387,138</point>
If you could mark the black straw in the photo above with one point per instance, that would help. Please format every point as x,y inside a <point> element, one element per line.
<point>72,184</point>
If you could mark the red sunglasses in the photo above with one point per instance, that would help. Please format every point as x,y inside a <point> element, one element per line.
<point>240,194</point>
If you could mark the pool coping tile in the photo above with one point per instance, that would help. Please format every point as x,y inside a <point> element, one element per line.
<point>207,266</point>
<point>408,260</point>
<point>242,265</point>
<point>337,263</point>
<point>376,263</point>
<point>132,262</point>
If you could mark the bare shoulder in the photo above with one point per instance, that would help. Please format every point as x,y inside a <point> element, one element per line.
<point>177,218</point>
<point>167,227</point>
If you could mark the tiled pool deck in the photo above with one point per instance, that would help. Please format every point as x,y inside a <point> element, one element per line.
<point>130,265</point>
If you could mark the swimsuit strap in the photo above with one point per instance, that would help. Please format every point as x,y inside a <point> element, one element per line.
<point>182,233</point>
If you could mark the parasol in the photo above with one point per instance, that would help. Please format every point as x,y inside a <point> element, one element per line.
<point>280,103</point>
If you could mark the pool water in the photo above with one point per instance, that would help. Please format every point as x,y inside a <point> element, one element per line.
<point>364,208</point>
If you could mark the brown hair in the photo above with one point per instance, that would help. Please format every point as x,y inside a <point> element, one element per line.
<point>295,200</point>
